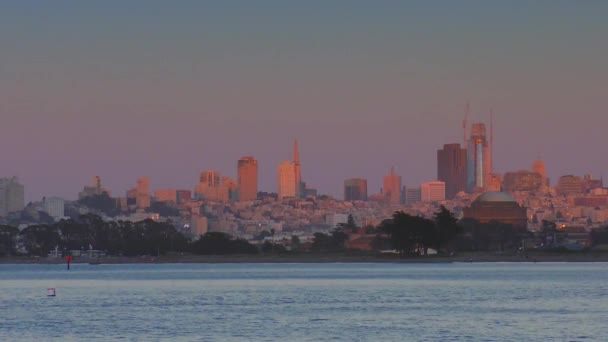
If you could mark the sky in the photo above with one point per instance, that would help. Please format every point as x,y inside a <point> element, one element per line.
<point>164,89</point>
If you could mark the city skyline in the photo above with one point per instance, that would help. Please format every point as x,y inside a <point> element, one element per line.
<point>362,88</point>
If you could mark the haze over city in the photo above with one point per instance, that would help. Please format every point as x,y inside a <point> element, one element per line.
<point>124,90</point>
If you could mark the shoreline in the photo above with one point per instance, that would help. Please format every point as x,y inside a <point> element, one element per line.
<point>478,257</point>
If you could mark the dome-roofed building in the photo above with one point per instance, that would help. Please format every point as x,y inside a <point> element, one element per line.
<point>498,207</point>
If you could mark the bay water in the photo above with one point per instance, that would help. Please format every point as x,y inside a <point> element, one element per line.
<point>306,302</point>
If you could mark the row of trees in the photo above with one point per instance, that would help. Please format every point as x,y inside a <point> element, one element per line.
<point>407,234</point>
<point>410,234</point>
<point>146,237</point>
<point>415,235</point>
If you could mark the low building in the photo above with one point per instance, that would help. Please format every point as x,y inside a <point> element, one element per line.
<point>432,191</point>
<point>497,207</point>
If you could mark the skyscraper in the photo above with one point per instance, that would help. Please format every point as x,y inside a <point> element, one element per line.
<point>290,177</point>
<point>11,196</point>
<point>392,187</point>
<point>210,178</point>
<point>54,206</point>
<point>213,187</point>
<point>539,167</point>
<point>479,160</point>
<point>297,171</point>
<point>355,189</point>
<point>287,180</point>
<point>143,193</point>
<point>570,185</point>
<point>247,178</point>
<point>452,169</point>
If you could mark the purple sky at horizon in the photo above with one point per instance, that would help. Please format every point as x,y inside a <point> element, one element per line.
<point>147,88</point>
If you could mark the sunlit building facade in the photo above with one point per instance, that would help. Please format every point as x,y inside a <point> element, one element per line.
<point>432,191</point>
<point>165,195</point>
<point>479,160</point>
<point>287,180</point>
<point>247,178</point>
<point>570,185</point>
<point>392,187</point>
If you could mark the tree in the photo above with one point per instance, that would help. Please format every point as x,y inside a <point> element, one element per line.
<point>351,221</point>
<point>222,243</point>
<point>349,225</point>
<point>332,242</point>
<point>269,247</point>
<point>8,237</point>
<point>599,236</point>
<point>295,242</point>
<point>74,234</point>
<point>40,239</point>
<point>447,227</point>
<point>262,235</point>
<point>408,234</point>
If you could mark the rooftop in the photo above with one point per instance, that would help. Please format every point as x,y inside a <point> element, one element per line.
<point>495,196</point>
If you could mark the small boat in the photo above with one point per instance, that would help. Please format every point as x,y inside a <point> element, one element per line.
<point>50,292</point>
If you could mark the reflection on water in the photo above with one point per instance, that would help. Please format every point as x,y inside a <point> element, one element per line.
<point>305,302</point>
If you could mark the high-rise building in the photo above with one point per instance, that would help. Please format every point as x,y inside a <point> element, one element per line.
<point>569,185</point>
<point>590,183</point>
<point>213,187</point>
<point>97,184</point>
<point>210,178</point>
<point>297,170</point>
<point>247,178</point>
<point>392,187</point>
<point>452,169</point>
<point>166,195</point>
<point>55,207</point>
<point>232,188</point>
<point>539,167</point>
<point>143,193</point>
<point>287,180</point>
<point>290,172</point>
<point>432,191</point>
<point>355,189</point>
<point>11,196</point>
<point>479,159</point>
<point>183,196</point>
<point>413,195</point>
<point>93,190</point>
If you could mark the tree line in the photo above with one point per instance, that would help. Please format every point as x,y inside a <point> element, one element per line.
<point>122,238</point>
<point>404,233</point>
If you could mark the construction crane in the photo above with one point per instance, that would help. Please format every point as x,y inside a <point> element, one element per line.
<point>464,123</point>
